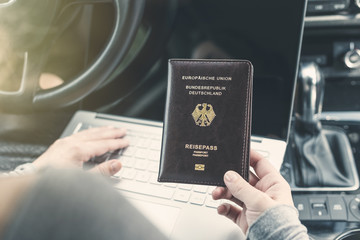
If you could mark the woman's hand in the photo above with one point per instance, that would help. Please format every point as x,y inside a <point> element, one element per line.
<point>264,190</point>
<point>78,148</point>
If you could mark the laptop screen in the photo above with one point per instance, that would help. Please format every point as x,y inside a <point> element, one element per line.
<point>269,34</point>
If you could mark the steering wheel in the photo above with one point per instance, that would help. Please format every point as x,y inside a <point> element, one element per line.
<point>43,14</point>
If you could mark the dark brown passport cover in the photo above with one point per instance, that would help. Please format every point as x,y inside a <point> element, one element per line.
<point>207,121</point>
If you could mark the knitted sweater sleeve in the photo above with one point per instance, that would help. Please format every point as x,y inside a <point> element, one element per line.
<point>278,223</point>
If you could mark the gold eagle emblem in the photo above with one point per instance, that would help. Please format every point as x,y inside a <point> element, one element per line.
<point>203,114</point>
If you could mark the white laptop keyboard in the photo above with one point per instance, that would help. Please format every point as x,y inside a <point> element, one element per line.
<point>139,172</point>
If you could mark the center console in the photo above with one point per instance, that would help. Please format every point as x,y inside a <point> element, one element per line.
<point>333,213</point>
<point>332,43</point>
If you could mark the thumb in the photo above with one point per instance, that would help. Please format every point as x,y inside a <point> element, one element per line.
<point>107,168</point>
<point>249,195</point>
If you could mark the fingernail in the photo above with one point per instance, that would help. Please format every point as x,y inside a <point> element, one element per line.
<point>230,176</point>
<point>115,167</point>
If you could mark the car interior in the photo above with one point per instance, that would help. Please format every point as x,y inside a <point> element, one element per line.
<point>111,57</point>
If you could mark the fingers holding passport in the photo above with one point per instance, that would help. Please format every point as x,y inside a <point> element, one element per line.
<point>265,189</point>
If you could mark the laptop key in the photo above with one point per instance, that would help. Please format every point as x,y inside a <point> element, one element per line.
<point>187,187</point>
<point>197,198</point>
<point>153,167</point>
<point>142,176</point>
<point>127,161</point>
<point>211,202</point>
<point>146,189</point>
<point>153,179</point>
<point>182,196</point>
<point>153,155</point>
<point>200,188</point>
<point>141,153</point>
<point>129,151</point>
<point>143,143</point>
<point>128,173</point>
<point>141,164</point>
<point>156,145</point>
<point>170,185</point>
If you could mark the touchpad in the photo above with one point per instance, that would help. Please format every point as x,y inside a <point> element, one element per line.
<point>162,216</point>
<point>203,223</point>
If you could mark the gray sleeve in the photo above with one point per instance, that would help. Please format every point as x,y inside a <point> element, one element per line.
<point>278,223</point>
<point>76,205</point>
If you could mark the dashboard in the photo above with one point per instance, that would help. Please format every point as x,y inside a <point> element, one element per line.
<point>332,40</point>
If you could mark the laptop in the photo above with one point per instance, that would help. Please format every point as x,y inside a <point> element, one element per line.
<point>269,34</point>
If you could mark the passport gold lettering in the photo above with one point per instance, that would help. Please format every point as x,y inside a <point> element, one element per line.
<point>224,78</point>
<point>201,147</point>
<point>205,93</point>
<point>205,90</point>
<point>200,154</point>
<point>214,88</point>
<point>198,78</point>
<point>212,78</point>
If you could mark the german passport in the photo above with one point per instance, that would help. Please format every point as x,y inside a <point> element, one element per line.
<point>207,121</point>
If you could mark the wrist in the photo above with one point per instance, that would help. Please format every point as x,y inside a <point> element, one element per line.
<point>39,164</point>
<point>26,168</point>
<point>21,170</point>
